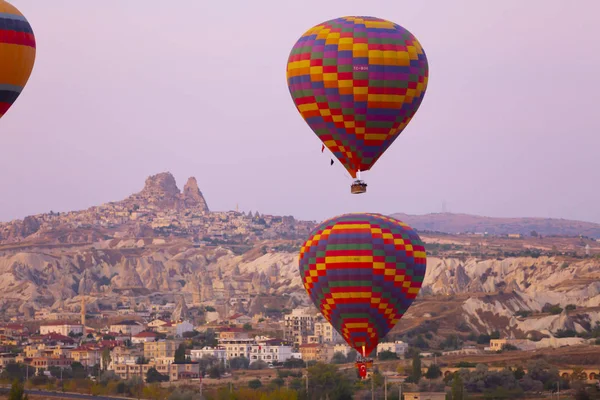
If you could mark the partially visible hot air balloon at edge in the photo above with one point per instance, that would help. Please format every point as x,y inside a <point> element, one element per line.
<point>357,82</point>
<point>363,271</point>
<point>17,54</point>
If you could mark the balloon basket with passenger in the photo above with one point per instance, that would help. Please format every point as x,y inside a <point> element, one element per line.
<point>363,365</point>
<point>358,186</point>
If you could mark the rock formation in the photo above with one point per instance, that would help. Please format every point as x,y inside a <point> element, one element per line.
<point>181,311</point>
<point>192,196</point>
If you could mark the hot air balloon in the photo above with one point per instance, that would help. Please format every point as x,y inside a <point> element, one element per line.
<point>357,82</point>
<point>17,54</point>
<point>363,271</point>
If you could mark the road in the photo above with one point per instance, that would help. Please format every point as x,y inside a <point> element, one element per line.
<point>61,395</point>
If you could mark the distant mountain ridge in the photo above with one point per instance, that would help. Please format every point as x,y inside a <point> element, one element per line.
<point>461,223</point>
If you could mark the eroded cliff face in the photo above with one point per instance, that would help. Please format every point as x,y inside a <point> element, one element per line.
<point>492,291</point>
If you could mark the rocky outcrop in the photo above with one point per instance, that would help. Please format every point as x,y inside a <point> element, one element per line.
<point>20,229</point>
<point>192,196</point>
<point>181,311</point>
<point>161,191</point>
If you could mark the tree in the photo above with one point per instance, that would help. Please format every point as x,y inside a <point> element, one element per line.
<point>457,387</point>
<point>416,368</point>
<point>254,384</point>
<point>17,391</point>
<point>239,363</point>
<point>247,326</point>
<point>106,358</point>
<point>259,364</point>
<point>154,376</point>
<point>326,381</point>
<point>519,373</point>
<point>433,372</point>
<point>78,370</point>
<point>214,372</point>
<point>180,354</point>
<point>338,358</point>
<point>387,355</point>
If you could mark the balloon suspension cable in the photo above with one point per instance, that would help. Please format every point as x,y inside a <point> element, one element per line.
<point>358,174</point>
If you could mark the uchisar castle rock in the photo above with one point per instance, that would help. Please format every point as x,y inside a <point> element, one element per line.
<point>165,245</point>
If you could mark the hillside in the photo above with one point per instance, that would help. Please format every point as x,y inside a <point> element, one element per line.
<point>460,223</point>
<point>164,245</point>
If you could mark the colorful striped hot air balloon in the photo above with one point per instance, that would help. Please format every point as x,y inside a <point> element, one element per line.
<point>17,54</point>
<point>357,81</point>
<point>363,271</point>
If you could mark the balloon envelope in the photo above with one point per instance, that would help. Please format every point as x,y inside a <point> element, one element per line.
<point>363,271</point>
<point>357,81</point>
<point>17,54</point>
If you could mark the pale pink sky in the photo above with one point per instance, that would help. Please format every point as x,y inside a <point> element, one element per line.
<point>123,89</point>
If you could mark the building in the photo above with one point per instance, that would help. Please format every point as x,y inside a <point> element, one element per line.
<point>44,363</point>
<point>521,344</point>
<point>143,337</point>
<point>398,347</point>
<point>326,333</point>
<point>127,327</point>
<point>317,352</point>
<point>299,323</point>
<point>88,357</point>
<point>123,355</point>
<point>240,319</point>
<point>424,395</point>
<point>220,353</point>
<point>62,328</point>
<point>156,323</point>
<point>175,372</point>
<point>233,333</point>
<point>238,346</point>
<point>7,358</point>
<point>160,349</point>
<point>342,348</point>
<point>271,350</point>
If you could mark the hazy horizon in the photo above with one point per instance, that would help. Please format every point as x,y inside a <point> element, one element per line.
<point>119,92</point>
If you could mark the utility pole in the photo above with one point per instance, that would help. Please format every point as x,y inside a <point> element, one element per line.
<point>400,391</point>
<point>373,385</point>
<point>558,389</point>
<point>385,388</point>
<point>307,398</point>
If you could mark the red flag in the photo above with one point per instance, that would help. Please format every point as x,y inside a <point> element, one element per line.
<point>362,370</point>
<point>322,148</point>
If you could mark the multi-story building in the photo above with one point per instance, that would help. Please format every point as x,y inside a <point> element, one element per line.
<point>44,363</point>
<point>269,351</point>
<point>88,357</point>
<point>7,358</point>
<point>127,327</point>
<point>160,349</point>
<point>62,328</point>
<point>326,333</point>
<point>398,347</point>
<point>299,323</point>
<point>123,355</point>
<point>237,347</point>
<point>220,353</point>
<point>317,352</point>
<point>342,348</point>
<point>143,337</point>
<point>188,370</point>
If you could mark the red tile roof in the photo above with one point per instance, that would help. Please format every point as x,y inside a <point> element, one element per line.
<point>145,334</point>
